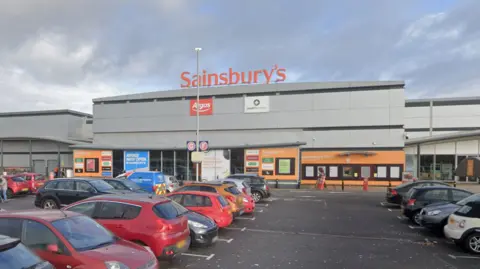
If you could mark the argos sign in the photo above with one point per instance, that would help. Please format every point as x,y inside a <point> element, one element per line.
<point>205,107</point>
<point>231,77</point>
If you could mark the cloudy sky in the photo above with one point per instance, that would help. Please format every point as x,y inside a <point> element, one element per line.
<point>58,54</point>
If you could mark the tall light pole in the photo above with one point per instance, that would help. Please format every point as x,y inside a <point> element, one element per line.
<point>198,112</point>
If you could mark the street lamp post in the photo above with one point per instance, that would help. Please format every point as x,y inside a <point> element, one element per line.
<point>198,112</point>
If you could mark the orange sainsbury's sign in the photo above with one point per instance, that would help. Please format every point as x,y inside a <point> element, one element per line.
<point>231,77</point>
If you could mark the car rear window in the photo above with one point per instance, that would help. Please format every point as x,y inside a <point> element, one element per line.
<point>169,210</point>
<point>411,193</point>
<point>233,190</point>
<point>222,201</point>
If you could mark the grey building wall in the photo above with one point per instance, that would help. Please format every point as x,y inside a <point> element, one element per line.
<point>348,118</point>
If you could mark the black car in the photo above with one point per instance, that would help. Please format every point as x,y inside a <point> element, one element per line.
<point>124,185</point>
<point>419,197</point>
<point>203,230</point>
<point>395,195</point>
<point>60,192</point>
<point>258,185</point>
<point>14,255</point>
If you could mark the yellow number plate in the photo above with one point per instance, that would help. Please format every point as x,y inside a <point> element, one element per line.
<point>181,244</point>
<point>26,189</point>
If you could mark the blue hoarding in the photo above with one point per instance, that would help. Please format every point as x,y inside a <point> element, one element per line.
<point>136,160</point>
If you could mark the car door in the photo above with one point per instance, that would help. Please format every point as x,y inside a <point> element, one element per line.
<point>87,208</point>
<point>117,217</point>
<point>37,236</point>
<point>84,190</point>
<point>65,192</point>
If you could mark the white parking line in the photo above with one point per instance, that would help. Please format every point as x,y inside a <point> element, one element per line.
<point>415,227</point>
<point>389,210</point>
<point>462,257</point>
<point>198,255</point>
<point>225,240</point>
<point>307,196</point>
<point>383,204</point>
<point>258,211</point>
<point>243,229</point>
<point>262,205</point>
<point>245,218</point>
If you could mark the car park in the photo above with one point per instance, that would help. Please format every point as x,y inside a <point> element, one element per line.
<point>150,181</point>
<point>235,201</point>
<point>464,227</point>
<point>395,194</point>
<point>124,185</point>
<point>419,197</point>
<point>16,186</point>
<point>203,230</point>
<point>259,187</point>
<point>148,220</point>
<point>435,216</point>
<point>212,205</point>
<point>35,180</point>
<point>60,192</point>
<point>15,255</point>
<point>71,240</point>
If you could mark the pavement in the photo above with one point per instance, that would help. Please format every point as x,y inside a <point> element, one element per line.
<point>312,229</point>
<point>473,187</point>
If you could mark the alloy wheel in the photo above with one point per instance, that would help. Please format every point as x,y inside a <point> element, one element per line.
<point>474,243</point>
<point>256,197</point>
<point>49,204</point>
<point>416,218</point>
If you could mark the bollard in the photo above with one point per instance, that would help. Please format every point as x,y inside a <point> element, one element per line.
<point>389,183</point>
<point>455,184</point>
<point>276,183</point>
<point>365,184</point>
<point>343,185</point>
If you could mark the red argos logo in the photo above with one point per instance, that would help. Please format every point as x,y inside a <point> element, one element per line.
<point>205,107</point>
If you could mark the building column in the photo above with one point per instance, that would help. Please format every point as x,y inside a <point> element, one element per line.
<point>455,178</point>
<point>174,163</point>
<point>161,161</point>
<point>1,154</point>
<point>434,161</point>
<point>418,161</point>
<point>30,155</point>
<point>431,117</point>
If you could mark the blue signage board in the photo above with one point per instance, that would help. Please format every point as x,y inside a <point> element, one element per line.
<point>136,160</point>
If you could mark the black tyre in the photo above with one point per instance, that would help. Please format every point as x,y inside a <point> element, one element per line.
<point>257,196</point>
<point>50,204</point>
<point>415,218</point>
<point>472,243</point>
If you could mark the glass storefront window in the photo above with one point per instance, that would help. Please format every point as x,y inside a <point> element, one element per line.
<point>181,164</point>
<point>237,161</point>
<point>155,160</point>
<point>168,162</point>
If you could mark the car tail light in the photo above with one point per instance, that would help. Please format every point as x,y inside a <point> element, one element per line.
<point>393,192</point>
<point>171,185</point>
<point>411,202</point>
<point>231,199</point>
<point>164,227</point>
<point>153,188</point>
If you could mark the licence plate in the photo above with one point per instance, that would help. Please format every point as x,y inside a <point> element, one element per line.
<point>181,244</point>
<point>215,239</point>
<point>26,189</point>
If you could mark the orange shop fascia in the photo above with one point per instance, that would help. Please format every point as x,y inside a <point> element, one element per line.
<point>273,163</point>
<point>232,77</point>
<point>93,163</point>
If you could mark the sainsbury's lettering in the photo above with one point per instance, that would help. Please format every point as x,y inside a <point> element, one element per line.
<point>233,77</point>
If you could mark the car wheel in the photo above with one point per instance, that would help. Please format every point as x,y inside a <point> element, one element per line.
<point>472,243</point>
<point>9,194</point>
<point>416,218</point>
<point>49,204</point>
<point>256,196</point>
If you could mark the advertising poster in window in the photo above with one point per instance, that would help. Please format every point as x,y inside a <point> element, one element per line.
<point>273,163</point>
<point>93,163</point>
<point>216,165</point>
<point>136,160</point>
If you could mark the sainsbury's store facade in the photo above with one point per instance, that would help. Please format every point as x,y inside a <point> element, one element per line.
<point>281,131</point>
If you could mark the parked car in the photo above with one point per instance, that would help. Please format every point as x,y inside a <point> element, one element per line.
<point>258,185</point>
<point>203,230</point>
<point>155,222</point>
<point>235,201</point>
<point>248,202</point>
<point>149,180</point>
<point>71,240</point>
<point>241,185</point>
<point>124,185</point>
<point>16,186</point>
<point>14,255</point>
<point>464,227</point>
<point>395,195</point>
<point>212,205</point>
<point>435,216</point>
<point>60,192</point>
<point>35,180</point>
<point>172,183</point>
<point>419,197</point>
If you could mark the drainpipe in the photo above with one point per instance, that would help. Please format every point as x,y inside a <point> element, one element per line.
<point>431,117</point>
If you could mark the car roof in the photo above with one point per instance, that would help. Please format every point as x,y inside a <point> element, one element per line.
<point>434,187</point>
<point>130,197</point>
<point>45,215</point>
<point>233,180</point>
<point>215,183</point>
<point>201,193</point>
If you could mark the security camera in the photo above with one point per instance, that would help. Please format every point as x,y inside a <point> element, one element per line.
<point>405,135</point>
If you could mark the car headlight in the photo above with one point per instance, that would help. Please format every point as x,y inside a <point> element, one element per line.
<point>115,265</point>
<point>196,224</point>
<point>245,200</point>
<point>434,212</point>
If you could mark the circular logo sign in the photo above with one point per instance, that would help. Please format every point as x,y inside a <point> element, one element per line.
<point>203,145</point>
<point>191,145</point>
<point>256,102</point>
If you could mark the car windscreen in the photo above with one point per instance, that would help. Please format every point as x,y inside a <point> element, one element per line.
<point>101,185</point>
<point>169,210</point>
<point>132,185</point>
<point>233,190</point>
<point>83,233</point>
<point>222,201</point>
<point>471,198</point>
<point>17,256</point>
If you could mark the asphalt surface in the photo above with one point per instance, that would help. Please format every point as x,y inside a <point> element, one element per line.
<point>311,229</point>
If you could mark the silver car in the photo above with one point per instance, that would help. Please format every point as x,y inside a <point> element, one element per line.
<point>171,182</point>
<point>241,185</point>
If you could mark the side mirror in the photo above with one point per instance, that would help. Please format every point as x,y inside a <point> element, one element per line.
<point>53,248</point>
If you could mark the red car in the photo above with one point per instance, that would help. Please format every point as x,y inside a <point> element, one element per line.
<point>71,240</point>
<point>35,180</point>
<point>154,221</point>
<point>249,203</point>
<point>16,186</point>
<point>210,204</point>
